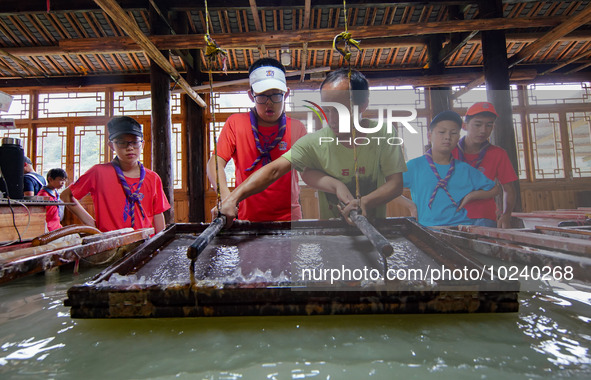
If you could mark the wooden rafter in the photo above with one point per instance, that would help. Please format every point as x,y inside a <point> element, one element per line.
<point>236,82</point>
<point>255,15</point>
<point>307,8</point>
<point>318,38</point>
<point>41,28</point>
<point>112,8</point>
<point>585,54</point>
<point>17,22</point>
<point>584,66</point>
<point>257,24</point>
<point>451,48</point>
<point>21,62</point>
<point>561,30</point>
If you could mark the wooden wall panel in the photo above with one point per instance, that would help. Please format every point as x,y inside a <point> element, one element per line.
<point>309,202</point>
<point>181,207</point>
<point>541,196</point>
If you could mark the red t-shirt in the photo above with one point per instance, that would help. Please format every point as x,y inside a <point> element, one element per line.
<point>279,201</point>
<point>495,165</point>
<point>109,199</point>
<point>52,215</point>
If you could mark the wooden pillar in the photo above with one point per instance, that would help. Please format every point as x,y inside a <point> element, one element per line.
<point>195,132</point>
<point>196,128</point>
<point>496,74</point>
<point>161,120</point>
<point>439,97</point>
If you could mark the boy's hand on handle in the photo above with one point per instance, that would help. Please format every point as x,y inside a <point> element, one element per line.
<point>228,210</point>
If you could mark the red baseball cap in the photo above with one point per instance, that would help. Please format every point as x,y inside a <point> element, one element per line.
<point>481,107</point>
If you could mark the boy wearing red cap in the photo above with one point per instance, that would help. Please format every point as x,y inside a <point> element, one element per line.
<point>124,193</point>
<point>493,161</point>
<point>256,138</point>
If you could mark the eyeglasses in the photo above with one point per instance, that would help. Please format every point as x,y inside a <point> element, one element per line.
<point>275,98</point>
<point>124,144</point>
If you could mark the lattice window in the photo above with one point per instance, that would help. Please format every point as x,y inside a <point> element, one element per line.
<point>175,104</point>
<point>177,155</point>
<point>131,103</point>
<point>415,143</point>
<point>51,149</point>
<point>89,148</point>
<point>72,104</point>
<point>231,102</point>
<point>521,172</point>
<point>545,94</point>
<point>230,168</point>
<point>19,108</point>
<point>19,133</point>
<point>579,134</point>
<point>398,95</point>
<point>478,94</point>
<point>546,146</point>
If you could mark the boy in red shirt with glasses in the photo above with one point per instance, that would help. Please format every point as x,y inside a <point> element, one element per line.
<point>256,138</point>
<point>124,193</point>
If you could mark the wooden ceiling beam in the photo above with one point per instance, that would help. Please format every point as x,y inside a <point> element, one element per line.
<point>376,78</point>
<point>40,6</point>
<point>307,8</point>
<point>576,69</point>
<point>20,62</point>
<point>112,8</point>
<point>572,60</point>
<point>451,48</point>
<point>560,30</point>
<point>253,39</point>
<point>563,29</point>
<point>255,15</point>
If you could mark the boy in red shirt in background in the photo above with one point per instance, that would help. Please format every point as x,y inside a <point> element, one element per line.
<point>124,193</point>
<point>56,179</point>
<point>256,138</point>
<point>493,161</point>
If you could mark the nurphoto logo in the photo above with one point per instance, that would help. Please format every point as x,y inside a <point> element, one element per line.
<point>340,122</point>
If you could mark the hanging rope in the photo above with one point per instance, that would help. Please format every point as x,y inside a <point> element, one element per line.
<point>212,51</point>
<point>345,51</point>
<point>346,38</point>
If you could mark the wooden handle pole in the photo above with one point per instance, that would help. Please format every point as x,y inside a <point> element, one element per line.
<point>375,237</point>
<point>205,237</point>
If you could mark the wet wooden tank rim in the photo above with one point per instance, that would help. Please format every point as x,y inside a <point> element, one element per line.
<point>90,246</point>
<point>425,239</point>
<point>101,299</point>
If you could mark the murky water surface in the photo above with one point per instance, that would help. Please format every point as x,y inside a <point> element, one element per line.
<point>549,337</point>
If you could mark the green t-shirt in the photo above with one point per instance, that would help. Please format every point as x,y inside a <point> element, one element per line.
<point>376,159</point>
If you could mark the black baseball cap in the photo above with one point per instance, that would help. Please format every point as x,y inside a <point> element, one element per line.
<point>121,125</point>
<point>446,115</point>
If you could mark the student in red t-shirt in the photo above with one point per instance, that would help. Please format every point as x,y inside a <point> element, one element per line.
<point>256,138</point>
<point>493,161</point>
<point>124,193</point>
<point>56,179</point>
